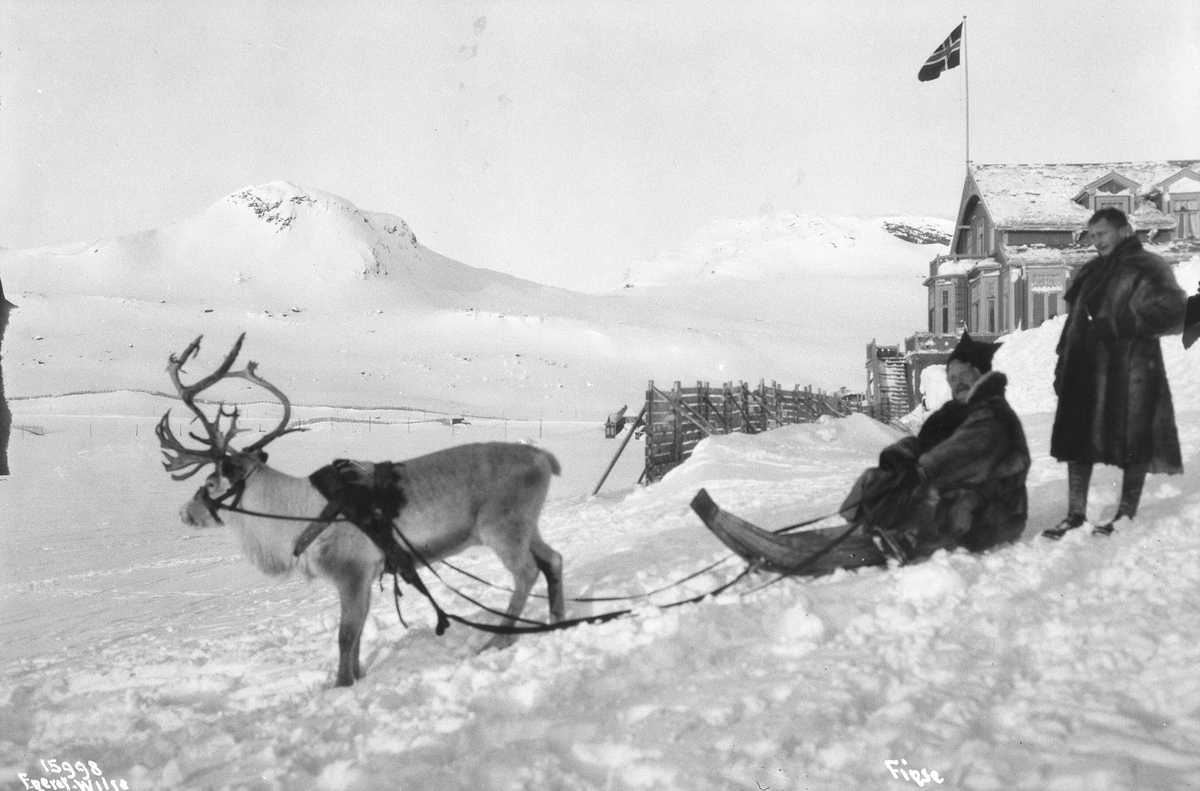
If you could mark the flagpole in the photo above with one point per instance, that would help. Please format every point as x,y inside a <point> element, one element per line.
<point>967,87</point>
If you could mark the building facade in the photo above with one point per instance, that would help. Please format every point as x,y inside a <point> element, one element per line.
<point>1020,237</point>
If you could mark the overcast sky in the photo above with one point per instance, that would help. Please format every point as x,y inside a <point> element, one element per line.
<point>558,139</point>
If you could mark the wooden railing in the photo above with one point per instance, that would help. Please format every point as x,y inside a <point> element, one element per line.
<point>676,419</point>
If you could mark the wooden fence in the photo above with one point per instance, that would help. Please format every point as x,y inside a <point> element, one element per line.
<point>678,418</point>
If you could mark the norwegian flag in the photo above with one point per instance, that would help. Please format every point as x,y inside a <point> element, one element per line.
<point>944,57</point>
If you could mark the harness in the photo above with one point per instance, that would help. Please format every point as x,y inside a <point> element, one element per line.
<point>371,496</point>
<point>214,504</point>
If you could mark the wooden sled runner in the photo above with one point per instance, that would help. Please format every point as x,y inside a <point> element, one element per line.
<point>812,553</point>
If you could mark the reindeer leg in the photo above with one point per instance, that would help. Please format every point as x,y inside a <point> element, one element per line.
<point>549,563</point>
<point>354,590</point>
<point>520,562</point>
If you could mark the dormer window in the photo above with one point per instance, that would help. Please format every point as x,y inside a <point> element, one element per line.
<point>1114,201</point>
<point>1185,208</point>
<point>1112,190</point>
<point>1181,199</point>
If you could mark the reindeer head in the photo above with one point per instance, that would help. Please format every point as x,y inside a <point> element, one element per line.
<point>233,465</point>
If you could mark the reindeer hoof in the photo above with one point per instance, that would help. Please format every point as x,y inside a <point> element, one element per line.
<point>498,642</point>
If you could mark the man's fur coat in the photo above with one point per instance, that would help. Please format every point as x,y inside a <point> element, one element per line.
<point>1114,403</point>
<point>959,482</point>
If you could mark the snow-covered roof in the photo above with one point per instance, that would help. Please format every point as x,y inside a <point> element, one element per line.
<point>1041,254</point>
<point>1186,180</point>
<point>1023,255</point>
<point>1041,195</point>
<point>958,266</point>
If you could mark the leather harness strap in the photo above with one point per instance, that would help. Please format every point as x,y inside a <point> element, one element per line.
<point>214,504</point>
<point>373,507</point>
<point>371,496</point>
<point>328,514</point>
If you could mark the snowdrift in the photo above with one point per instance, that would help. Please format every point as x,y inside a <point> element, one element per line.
<point>163,656</point>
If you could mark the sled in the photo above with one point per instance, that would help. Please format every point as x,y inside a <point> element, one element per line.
<point>811,553</point>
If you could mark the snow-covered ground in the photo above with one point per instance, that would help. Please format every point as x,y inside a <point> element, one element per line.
<point>159,655</point>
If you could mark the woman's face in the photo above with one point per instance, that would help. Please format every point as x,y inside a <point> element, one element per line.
<point>961,376</point>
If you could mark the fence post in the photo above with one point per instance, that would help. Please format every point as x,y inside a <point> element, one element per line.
<point>676,432</point>
<point>725,408</point>
<point>651,438</point>
<point>632,430</point>
<point>762,405</point>
<point>736,397</point>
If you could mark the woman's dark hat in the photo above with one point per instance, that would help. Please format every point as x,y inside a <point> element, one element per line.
<point>976,353</point>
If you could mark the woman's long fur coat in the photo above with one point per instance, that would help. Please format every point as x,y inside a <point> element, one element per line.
<point>1114,403</point>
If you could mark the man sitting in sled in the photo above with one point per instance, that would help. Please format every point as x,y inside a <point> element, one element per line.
<point>960,482</point>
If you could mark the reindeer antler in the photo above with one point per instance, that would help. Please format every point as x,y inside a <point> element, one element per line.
<point>250,374</point>
<point>216,444</point>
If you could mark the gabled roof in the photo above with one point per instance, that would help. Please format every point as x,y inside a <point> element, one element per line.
<point>1185,173</point>
<point>1041,196</point>
<point>1112,175</point>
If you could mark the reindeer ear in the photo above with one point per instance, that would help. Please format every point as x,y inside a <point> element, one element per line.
<point>262,456</point>
<point>227,469</point>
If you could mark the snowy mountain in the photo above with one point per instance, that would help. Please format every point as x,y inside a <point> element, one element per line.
<point>285,264</point>
<point>271,242</point>
<point>929,230</point>
<point>791,247</point>
<point>814,288</point>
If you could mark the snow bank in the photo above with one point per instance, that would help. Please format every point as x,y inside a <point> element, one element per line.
<point>171,663</point>
<point>1028,359</point>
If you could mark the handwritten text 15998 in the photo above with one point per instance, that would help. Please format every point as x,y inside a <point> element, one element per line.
<point>68,776</point>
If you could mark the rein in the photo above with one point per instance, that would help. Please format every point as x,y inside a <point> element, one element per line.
<point>331,514</point>
<point>281,517</point>
<point>538,626</point>
<point>444,618</point>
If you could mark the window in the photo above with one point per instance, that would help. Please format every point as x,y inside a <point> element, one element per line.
<point>991,307</point>
<point>1117,201</point>
<point>1051,305</point>
<point>1045,282</point>
<point>1047,238</point>
<point>945,296</point>
<point>1186,209</point>
<point>945,320</point>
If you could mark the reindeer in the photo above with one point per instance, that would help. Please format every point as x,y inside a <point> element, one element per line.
<point>487,493</point>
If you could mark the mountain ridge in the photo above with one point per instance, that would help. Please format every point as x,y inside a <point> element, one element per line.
<point>347,306</point>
